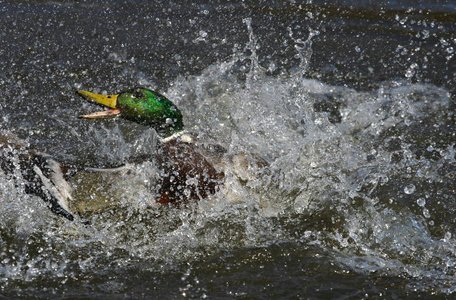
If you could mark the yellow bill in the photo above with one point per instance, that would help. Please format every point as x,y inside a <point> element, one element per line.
<point>106,100</point>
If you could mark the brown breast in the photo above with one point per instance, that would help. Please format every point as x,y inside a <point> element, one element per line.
<point>186,175</point>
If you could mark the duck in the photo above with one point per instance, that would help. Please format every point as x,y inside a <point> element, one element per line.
<point>40,174</point>
<point>188,172</point>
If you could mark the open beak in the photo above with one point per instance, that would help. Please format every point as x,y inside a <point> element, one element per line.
<point>106,100</point>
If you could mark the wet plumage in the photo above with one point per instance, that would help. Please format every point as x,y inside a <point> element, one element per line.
<point>41,174</point>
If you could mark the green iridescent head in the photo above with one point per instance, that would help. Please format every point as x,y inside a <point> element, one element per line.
<point>142,106</point>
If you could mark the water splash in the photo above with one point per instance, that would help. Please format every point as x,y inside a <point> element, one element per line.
<point>351,164</point>
<point>345,170</point>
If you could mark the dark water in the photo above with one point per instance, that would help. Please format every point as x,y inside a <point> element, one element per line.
<point>351,103</point>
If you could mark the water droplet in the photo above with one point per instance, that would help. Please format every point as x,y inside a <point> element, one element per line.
<point>421,202</point>
<point>426,213</point>
<point>426,34</point>
<point>411,70</point>
<point>443,42</point>
<point>409,189</point>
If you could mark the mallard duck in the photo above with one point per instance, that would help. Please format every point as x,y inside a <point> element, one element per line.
<point>189,170</point>
<point>42,175</point>
<point>186,174</point>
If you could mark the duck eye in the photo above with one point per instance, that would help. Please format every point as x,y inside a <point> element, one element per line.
<point>137,94</point>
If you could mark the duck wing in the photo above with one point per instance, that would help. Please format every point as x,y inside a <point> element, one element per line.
<point>43,175</point>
